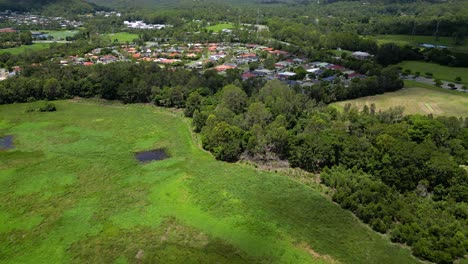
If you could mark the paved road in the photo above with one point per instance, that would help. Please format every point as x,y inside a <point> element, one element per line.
<point>445,84</point>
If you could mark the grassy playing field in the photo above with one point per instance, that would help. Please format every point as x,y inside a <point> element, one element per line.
<point>123,37</point>
<point>24,48</point>
<point>219,27</point>
<point>416,40</point>
<point>72,191</point>
<point>418,99</point>
<point>440,72</point>
<point>61,34</point>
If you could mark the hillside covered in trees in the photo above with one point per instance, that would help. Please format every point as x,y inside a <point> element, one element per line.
<point>52,7</point>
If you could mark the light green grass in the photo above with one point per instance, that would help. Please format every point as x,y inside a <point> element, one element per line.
<point>417,98</point>
<point>219,27</point>
<point>340,52</point>
<point>61,34</point>
<point>122,37</point>
<point>440,72</point>
<point>25,48</point>
<point>72,192</point>
<point>403,40</point>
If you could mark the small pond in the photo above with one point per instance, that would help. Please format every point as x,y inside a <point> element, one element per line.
<point>6,142</point>
<point>151,155</point>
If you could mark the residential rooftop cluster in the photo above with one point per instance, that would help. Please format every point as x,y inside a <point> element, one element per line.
<point>108,14</point>
<point>31,19</point>
<point>248,59</point>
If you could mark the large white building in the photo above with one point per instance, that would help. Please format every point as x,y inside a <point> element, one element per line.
<point>143,25</point>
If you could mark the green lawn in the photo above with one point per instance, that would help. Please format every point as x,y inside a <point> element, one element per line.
<point>416,40</point>
<point>61,34</point>
<point>440,72</point>
<point>72,192</point>
<point>122,37</point>
<point>417,98</point>
<point>340,52</point>
<point>219,27</point>
<point>24,48</point>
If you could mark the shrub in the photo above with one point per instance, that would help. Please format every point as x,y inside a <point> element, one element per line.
<point>48,107</point>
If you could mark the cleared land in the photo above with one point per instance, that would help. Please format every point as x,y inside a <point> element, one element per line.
<point>418,99</point>
<point>440,72</point>
<point>72,191</point>
<point>416,40</point>
<point>24,48</point>
<point>122,36</point>
<point>219,27</point>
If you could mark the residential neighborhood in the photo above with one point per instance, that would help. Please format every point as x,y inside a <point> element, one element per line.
<point>247,59</point>
<point>20,19</point>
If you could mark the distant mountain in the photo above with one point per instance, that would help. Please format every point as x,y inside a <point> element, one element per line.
<point>50,6</point>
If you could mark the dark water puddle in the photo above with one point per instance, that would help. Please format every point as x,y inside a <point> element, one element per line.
<point>6,142</point>
<point>151,155</point>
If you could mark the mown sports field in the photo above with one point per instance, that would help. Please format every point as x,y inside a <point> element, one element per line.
<point>439,71</point>
<point>417,98</point>
<point>122,37</point>
<point>415,41</point>
<point>220,27</point>
<point>71,191</point>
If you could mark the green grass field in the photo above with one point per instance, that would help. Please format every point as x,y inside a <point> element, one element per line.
<point>122,37</point>
<point>416,40</point>
<point>219,27</point>
<point>24,48</point>
<point>417,98</point>
<point>61,34</point>
<point>72,192</point>
<point>440,72</point>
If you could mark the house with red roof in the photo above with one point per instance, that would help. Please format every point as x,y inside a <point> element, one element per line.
<point>224,67</point>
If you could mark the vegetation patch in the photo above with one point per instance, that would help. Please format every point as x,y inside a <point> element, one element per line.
<point>59,202</point>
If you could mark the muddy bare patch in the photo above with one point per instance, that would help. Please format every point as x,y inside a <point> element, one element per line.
<point>151,155</point>
<point>6,142</point>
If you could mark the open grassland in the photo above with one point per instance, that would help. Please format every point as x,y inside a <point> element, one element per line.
<point>440,72</point>
<point>25,48</point>
<point>72,191</point>
<point>403,40</point>
<point>122,37</point>
<point>417,98</point>
<point>219,27</point>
